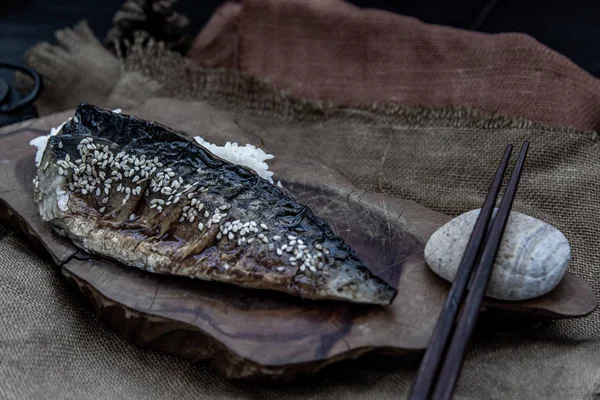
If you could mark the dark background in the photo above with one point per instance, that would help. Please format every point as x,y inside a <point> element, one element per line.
<point>569,27</point>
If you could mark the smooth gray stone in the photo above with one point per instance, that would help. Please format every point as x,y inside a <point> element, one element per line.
<point>532,258</point>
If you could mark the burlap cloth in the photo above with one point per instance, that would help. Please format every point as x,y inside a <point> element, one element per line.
<point>331,49</point>
<point>51,346</point>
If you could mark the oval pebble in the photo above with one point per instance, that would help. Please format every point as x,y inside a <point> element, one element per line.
<point>531,261</point>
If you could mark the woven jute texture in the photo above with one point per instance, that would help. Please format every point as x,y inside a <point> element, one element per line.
<point>334,50</point>
<point>51,346</point>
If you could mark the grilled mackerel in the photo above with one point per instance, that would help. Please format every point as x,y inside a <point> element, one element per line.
<point>146,196</point>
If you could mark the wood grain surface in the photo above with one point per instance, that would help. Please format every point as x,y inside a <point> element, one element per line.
<point>261,334</point>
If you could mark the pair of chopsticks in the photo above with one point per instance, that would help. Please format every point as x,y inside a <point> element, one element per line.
<point>443,358</point>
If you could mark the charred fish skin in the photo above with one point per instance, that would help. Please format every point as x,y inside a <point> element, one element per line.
<point>149,197</point>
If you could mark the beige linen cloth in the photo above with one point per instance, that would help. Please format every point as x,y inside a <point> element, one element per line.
<point>52,346</point>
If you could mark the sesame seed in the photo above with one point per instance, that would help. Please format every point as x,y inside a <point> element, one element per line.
<point>223,207</point>
<point>318,246</point>
<point>181,219</point>
<point>279,252</point>
<point>192,218</point>
<point>83,191</point>
<point>98,192</point>
<point>176,200</point>
<point>67,158</point>
<point>185,208</point>
<point>281,269</point>
<point>132,217</point>
<point>159,208</point>
<point>136,178</point>
<point>60,145</point>
<point>326,251</point>
<point>200,226</point>
<point>200,206</point>
<point>292,242</point>
<point>312,268</point>
<point>127,190</point>
<point>154,206</point>
<point>260,235</point>
<point>230,235</point>
<point>276,237</point>
<point>291,237</point>
<point>250,240</point>
<point>193,203</point>
<point>102,209</point>
<point>264,226</point>
<point>219,236</point>
<point>61,171</point>
<point>105,200</point>
<point>206,214</point>
<point>168,203</point>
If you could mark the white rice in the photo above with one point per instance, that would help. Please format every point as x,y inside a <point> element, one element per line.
<point>248,155</point>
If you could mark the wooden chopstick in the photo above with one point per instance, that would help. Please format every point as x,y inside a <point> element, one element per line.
<point>428,382</point>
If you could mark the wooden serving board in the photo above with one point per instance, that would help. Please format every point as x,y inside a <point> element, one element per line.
<point>252,333</point>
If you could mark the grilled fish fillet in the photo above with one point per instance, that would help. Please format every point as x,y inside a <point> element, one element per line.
<point>146,196</point>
